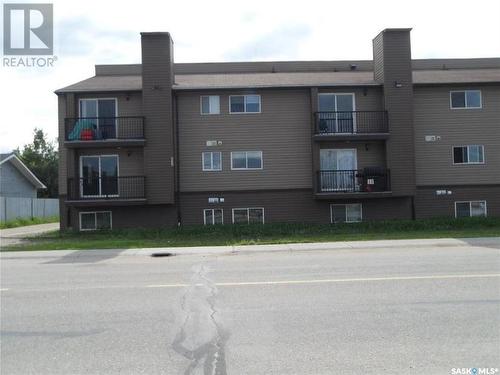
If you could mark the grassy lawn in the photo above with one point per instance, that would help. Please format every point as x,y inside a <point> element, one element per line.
<point>30,221</point>
<point>263,234</point>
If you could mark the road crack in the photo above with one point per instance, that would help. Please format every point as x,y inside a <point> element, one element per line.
<point>201,336</point>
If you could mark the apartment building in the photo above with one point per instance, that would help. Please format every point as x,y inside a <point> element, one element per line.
<point>164,144</point>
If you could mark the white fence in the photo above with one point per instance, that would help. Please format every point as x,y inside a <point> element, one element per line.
<point>12,208</point>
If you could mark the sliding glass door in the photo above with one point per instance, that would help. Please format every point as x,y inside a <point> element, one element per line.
<point>336,113</point>
<point>338,169</point>
<point>99,176</point>
<point>102,114</point>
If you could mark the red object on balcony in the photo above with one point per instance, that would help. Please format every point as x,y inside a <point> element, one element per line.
<point>86,135</point>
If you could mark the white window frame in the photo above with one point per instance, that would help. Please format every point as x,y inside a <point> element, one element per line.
<point>209,106</point>
<point>470,207</point>
<point>248,213</point>
<point>468,153</point>
<point>95,220</point>
<point>97,107</point>
<point>465,99</point>
<point>213,216</point>
<point>212,169</point>
<point>347,204</point>
<point>245,104</point>
<point>246,159</point>
<point>80,181</point>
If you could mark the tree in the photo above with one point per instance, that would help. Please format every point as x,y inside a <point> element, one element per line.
<point>42,159</point>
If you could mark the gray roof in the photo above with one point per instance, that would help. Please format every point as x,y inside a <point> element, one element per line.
<point>106,83</point>
<point>260,80</point>
<point>22,168</point>
<point>422,77</point>
<point>291,79</point>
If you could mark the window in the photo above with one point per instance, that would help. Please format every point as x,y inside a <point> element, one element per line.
<point>99,114</point>
<point>99,176</point>
<point>465,99</point>
<point>100,220</point>
<point>212,161</point>
<point>248,215</point>
<point>246,160</point>
<point>346,213</point>
<point>212,216</point>
<point>210,105</point>
<point>244,104</point>
<point>336,113</point>
<point>470,209</point>
<point>473,154</point>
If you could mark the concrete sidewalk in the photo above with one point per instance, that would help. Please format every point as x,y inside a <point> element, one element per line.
<point>13,236</point>
<point>491,242</point>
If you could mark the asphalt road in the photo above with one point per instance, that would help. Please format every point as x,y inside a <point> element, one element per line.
<point>424,310</point>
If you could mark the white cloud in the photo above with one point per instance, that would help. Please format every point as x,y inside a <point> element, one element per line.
<point>93,32</point>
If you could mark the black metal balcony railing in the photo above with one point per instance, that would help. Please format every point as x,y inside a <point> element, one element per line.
<point>353,122</point>
<point>353,181</point>
<point>128,187</point>
<point>102,128</point>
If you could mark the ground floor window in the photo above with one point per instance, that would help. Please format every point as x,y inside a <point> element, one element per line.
<point>212,216</point>
<point>346,213</point>
<point>100,220</point>
<point>470,209</point>
<point>248,215</point>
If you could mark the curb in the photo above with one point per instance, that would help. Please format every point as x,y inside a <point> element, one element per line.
<point>226,250</point>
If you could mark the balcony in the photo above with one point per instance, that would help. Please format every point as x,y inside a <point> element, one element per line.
<point>104,131</point>
<point>106,190</point>
<point>367,182</point>
<point>352,125</point>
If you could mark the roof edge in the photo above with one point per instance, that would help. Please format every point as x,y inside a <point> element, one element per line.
<point>25,171</point>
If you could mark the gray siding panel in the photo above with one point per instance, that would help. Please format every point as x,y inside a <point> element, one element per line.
<point>14,184</point>
<point>456,127</point>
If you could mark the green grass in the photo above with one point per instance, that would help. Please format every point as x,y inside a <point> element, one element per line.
<point>263,234</point>
<point>30,221</point>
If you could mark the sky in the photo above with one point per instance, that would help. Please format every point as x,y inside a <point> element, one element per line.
<point>107,32</point>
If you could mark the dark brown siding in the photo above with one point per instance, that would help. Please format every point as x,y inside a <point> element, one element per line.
<point>157,81</point>
<point>63,152</point>
<point>369,154</point>
<point>288,206</point>
<point>365,98</point>
<point>282,132</point>
<point>129,104</point>
<point>125,217</point>
<point>130,160</point>
<point>392,61</point>
<point>429,204</point>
